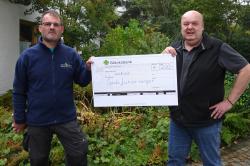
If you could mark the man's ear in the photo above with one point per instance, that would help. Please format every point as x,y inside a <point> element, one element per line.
<point>62,28</point>
<point>39,28</point>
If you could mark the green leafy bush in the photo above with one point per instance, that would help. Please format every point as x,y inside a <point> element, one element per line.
<point>6,100</point>
<point>133,40</point>
<point>127,138</point>
<point>237,120</point>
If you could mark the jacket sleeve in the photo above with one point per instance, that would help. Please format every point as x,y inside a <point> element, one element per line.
<point>82,76</point>
<point>20,91</point>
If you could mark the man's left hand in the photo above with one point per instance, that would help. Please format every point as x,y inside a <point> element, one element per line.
<point>220,109</point>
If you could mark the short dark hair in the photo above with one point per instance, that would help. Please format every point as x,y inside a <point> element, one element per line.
<point>53,13</point>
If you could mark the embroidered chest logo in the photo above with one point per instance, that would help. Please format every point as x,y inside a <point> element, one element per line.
<point>66,65</point>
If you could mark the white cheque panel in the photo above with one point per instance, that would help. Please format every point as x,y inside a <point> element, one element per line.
<point>135,80</point>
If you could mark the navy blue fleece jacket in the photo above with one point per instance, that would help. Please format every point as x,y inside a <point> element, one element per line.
<point>43,84</point>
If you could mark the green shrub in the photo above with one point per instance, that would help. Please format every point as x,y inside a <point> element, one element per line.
<point>133,40</point>
<point>6,100</point>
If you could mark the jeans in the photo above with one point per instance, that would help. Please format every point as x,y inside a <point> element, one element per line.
<point>206,138</point>
<point>71,137</point>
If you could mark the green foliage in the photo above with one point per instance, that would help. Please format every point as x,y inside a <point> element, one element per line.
<point>6,100</point>
<point>86,21</point>
<point>243,102</point>
<point>241,42</point>
<point>5,119</point>
<point>237,121</point>
<point>57,153</point>
<point>245,17</point>
<point>128,138</point>
<point>227,136</point>
<point>133,40</point>
<point>3,161</point>
<point>194,153</point>
<point>162,15</point>
<point>11,151</point>
<point>83,95</point>
<point>235,125</point>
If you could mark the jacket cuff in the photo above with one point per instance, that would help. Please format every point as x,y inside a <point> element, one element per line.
<point>20,121</point>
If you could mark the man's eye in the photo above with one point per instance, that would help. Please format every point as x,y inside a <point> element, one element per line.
<point>48,24</point>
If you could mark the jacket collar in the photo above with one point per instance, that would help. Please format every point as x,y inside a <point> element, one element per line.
<point>40,41</point>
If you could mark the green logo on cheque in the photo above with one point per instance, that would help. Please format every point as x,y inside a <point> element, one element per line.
<point>106,62</point>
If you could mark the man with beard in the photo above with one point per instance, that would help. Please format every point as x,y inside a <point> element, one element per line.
<point>202,62</point>
<point>43,94</point>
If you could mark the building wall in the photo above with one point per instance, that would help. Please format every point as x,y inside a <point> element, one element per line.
<point>10,15</point>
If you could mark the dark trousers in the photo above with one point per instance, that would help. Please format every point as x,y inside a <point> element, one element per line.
<point>70,135</point>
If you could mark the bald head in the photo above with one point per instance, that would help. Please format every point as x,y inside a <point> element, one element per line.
<point>193,14</point>
<point>192,27</point>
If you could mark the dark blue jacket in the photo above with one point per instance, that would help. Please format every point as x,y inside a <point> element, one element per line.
<point>43,84</point>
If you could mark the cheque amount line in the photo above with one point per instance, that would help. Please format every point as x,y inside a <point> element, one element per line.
<point>123,93</point>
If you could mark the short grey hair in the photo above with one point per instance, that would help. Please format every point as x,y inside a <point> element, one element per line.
<point>53,13</point>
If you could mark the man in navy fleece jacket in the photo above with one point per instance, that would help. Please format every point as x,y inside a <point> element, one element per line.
<point>43,94</point>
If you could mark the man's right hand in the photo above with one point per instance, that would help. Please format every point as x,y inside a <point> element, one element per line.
<point>169,50</point>
<point>89,62</point>
<point>18,127</point>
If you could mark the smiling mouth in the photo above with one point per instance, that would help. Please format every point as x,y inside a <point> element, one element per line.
<point>190,32</point>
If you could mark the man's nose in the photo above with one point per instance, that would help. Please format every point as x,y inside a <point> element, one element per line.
<point>52,26</point>
<point>189,26</point>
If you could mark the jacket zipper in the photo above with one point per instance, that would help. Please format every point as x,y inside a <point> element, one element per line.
<point>53,79</point>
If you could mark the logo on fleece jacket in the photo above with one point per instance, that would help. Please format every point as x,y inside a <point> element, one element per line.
<point>66,65</point>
